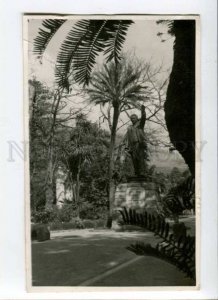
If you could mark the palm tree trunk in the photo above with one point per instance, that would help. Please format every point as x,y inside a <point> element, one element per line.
<point>112,163</point>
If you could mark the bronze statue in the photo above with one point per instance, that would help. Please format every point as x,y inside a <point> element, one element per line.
<point>136,144</point>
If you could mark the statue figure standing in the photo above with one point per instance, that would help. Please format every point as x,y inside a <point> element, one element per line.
<point>136,143</point>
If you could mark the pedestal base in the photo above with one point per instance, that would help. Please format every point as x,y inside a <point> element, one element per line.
<point>138,195</point>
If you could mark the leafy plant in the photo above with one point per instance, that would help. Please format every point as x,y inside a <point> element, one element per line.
<point>73,224</point>
<point>85,40</point>
<point>82,153</point>
<point>179,198</point>
<point>44,216</point>
<point>178,250</point>
<point>66,213</point>
<point>40,232</point>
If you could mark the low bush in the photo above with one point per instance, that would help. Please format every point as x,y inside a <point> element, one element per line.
<point>92,211</point>
<point>89,224</point>
<point>40,232</point>
<point>73,224</point>
<point>100,223</point>
<point>66,213</point>
<point>77,224</point>
<point>54,215</point>
<point>65,218</point>
<point>44,216</point>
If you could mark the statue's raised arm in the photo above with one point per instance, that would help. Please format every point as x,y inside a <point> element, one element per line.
<point>143,117</point>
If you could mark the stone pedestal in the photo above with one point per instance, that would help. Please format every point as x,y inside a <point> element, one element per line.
<point>137,195</point>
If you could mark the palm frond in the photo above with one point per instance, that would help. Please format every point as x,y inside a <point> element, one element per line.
<point>84,43</point>
<point>133,90</point>
<point>101,88</point>
<point>156,224</point>
<point>176,249</point>
<point>129,79</point>
<point>91,47</point>
<point>103,81</point>
<point>67,51</point>
<point>181,255</point>
<point>45,34</point>
<point>117,34</point>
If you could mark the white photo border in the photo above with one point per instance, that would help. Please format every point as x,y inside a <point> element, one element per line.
<point>12,253</point>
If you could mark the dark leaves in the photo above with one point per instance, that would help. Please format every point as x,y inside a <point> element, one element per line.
<point>85,41</point>
<point>120,82</point>
<point>116,38</point>
<point>45,34</point>
<point>178,250</point>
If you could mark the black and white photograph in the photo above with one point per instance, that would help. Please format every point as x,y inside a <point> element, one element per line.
<point>112,176</point>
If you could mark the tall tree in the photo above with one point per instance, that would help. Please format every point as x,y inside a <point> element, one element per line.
<point>46,132</point>
<point>40,160</point>
<point>117,85</point>
<point>180,100</point>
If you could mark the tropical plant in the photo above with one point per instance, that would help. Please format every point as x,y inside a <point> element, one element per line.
<point>178,199</point>
<point>94,187</point>
<point>118,86</point>
<point>80,151</point>
<point>178,250</point>
<point>84,42</point>
<point>175,176</point>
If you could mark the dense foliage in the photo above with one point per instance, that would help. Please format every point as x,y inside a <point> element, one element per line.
<point>79,150</point>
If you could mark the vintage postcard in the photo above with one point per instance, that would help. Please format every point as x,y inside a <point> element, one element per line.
<point>112,178</point>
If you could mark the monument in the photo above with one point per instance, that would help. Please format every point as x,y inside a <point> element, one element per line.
<point>136,143</point>
<point>139,192</point>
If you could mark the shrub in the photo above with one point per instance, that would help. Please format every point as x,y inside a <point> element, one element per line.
<point>40,232</point>
<point>91,211</point>
<point>66,213</point>
<point>89,224</point>
<point>77,224</point>
<point>74,224</point>
<point>100,223</point>
<point>44,216</point>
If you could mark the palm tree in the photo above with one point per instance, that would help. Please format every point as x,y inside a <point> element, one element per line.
<point>90,37</point>
<point>117,85</point>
